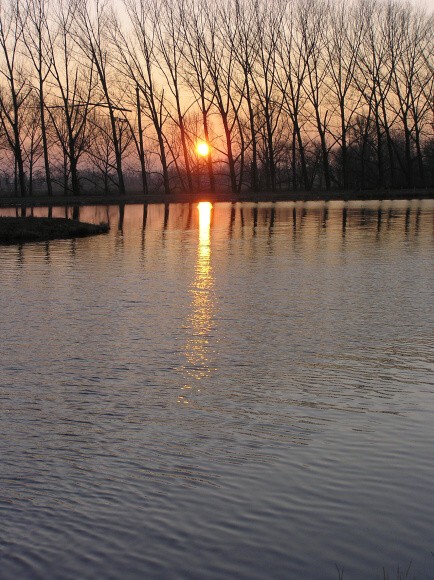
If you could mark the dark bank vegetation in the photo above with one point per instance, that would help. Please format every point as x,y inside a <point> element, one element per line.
<point>31,229</point>
<point>112,97</point>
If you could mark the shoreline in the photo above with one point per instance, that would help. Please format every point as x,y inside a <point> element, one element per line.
<point>248,196</point>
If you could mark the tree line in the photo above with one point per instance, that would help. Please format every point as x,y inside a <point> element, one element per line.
<point>290,95</point>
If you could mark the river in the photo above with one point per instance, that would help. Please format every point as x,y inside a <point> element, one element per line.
<point>238,391</point>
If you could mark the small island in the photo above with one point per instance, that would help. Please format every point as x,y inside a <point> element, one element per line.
<point>15,230</point>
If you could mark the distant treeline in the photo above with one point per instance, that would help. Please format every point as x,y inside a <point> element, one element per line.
<point>303,94</point>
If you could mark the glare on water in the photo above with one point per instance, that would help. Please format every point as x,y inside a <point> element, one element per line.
<point>199,321</point>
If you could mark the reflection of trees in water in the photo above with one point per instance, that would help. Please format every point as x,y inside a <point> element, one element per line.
<point>304,221</point>
<point>407,220</point>
<point>166,216</point>
<point>318,220</point>
<point>145,215</point>
<point>121,217</point>
<point>344,221</point>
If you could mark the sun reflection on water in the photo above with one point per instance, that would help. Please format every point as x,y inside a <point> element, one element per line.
<point>200,321</point>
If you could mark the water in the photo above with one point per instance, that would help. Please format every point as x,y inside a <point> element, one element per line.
<point>241,392</point>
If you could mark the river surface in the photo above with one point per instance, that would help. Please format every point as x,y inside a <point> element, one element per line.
<point>239,392</point>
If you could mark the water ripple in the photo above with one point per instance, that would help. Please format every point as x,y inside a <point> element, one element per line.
<point>246,394</point>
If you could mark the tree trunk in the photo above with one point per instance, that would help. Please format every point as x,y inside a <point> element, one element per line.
<point>141,145</point>
<point>44,137</point>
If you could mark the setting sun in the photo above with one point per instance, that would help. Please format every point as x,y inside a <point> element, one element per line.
<point>202,149</point>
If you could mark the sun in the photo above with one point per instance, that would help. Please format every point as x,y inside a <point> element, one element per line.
<point>202,148</point>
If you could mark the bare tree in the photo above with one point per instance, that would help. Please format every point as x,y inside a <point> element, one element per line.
<point>93,35</point>
<point>344,36</point>
<point>373,78</point>
<point>264,78</point>
<point>33,148</point>
<point>410,37</point>
<point>219,55</point>
<point>312,18</point>
<point>37,41</point>
<point>239,24</point>
<point>16,89</point>
<point>196,72</point>
<point>170,47</point>
<point>136,59</point>
<point>72,86</point>
<point>291,79</point>
<point>103,153</point>
<point>306,93</point>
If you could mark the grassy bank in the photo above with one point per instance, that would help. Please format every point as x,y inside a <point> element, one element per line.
<point>29,229</point>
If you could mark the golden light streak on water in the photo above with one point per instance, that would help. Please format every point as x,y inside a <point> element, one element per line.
<point>200,321</point>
